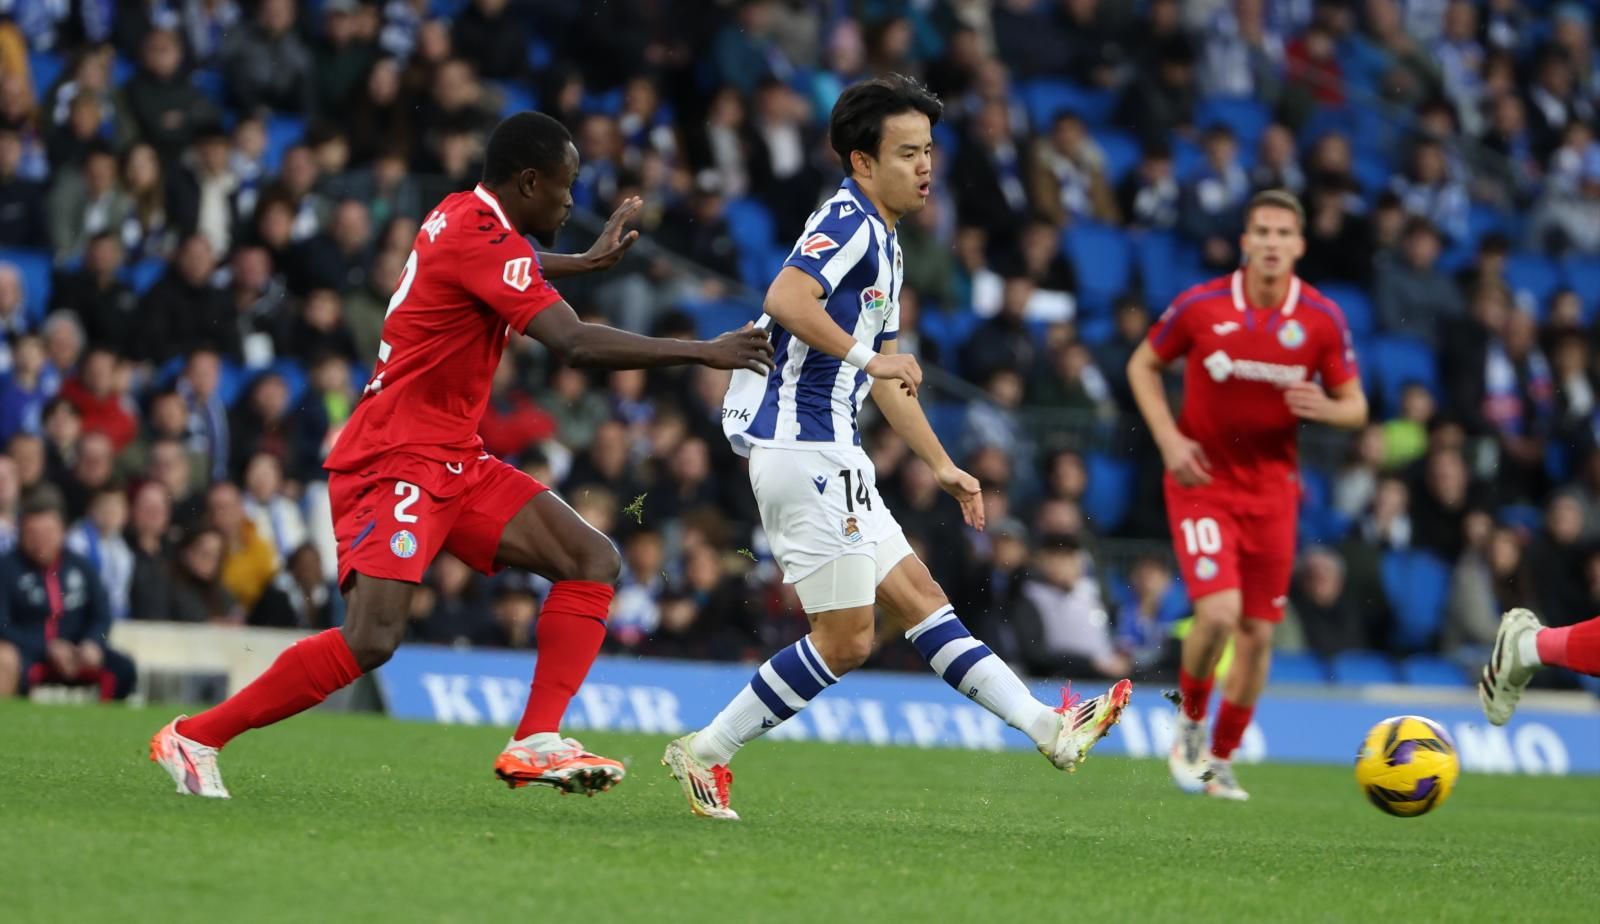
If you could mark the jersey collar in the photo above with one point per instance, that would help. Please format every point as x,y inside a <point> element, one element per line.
<point>1290,300</point>
<point>861,198</point>
<point>489,200</point>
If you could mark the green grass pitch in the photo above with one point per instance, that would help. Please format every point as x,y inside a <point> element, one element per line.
<point>355,818</point>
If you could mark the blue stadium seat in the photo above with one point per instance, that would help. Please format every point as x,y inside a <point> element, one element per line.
<point>34,267</point>
<point>947,418</point>
<point>46,67</point>
<point>283,131</point>
<point>1581,274</point>
<point>1326,120</point>
<point>1357,307</point>
<point>1425,670</point>
<point>1187,158</point>
<point>713,318</point>
<point>1361,667</point>
<point>1122,152</point>
<point>1415,582</point>
<point>749,220</point>
<point>949,330</point>
<point>1168,264</point>
<point>1096,330</point>
<point>1319,523</point>
<point>294,376</point>
<point>1520,516</point>
<point>1109,492</point>
<point>605,102</point>
<point>143,275</point>
<point>231,384</point>
<point>1245,117</point>
<point>210,84</point>
<point>1104,262</point>
<point>1298,667</point>
<point>515,97</point>
<point>1396,361</point>
<point>1533,279</point>
<point>1484,219</point>
<point>1047,99</point>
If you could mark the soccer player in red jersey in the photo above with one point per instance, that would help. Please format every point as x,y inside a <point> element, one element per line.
<point>409,477</point>
<point>1521,647</point>
<point>1255,343</point>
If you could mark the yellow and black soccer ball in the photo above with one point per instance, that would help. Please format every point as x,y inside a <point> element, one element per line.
<point>1407,765</point>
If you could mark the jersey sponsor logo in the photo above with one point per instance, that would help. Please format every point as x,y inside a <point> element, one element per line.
<point>1279,601</point>
<point>849,530</point>
<point>434,225</point>
<point>1292,335</point>
<point>1223,367</point>
<point>817,244</point>
<point>874,299</point>
<point>820,483</point>
<point>1225,328</point>
<point>1205,569</point>
<point>518,273</point>
<point>741,414</point>
<point>403,544</point>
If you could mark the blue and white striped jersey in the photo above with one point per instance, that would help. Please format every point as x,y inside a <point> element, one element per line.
<point>809,400</point>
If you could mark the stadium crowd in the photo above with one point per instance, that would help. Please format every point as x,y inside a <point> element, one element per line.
<point>204,208</point>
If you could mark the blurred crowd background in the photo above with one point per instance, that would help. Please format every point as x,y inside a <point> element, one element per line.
<point>205,205</point>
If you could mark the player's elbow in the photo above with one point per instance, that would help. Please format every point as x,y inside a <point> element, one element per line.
<point>575,348</point>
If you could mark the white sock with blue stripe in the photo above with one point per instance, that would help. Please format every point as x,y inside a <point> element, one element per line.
<point>978,674</point>
<point>780,688</point>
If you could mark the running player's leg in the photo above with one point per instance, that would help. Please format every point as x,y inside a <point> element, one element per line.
<point>387,530</point>
<point>1205,541</point>
<point>1521,647</point>
<point>837,597</point>
<point>546,537</point>
<point>10,669</point>
<point>918,606</point>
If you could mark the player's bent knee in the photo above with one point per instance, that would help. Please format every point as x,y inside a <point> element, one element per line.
<point>844,651</point>
<point>1218,611</point>
<point>598,562</point>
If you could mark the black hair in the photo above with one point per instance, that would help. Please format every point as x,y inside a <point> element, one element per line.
<point>41,499</point>
<point>858,116</point>
<point>523,141</point>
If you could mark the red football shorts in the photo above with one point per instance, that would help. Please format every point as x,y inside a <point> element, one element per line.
<point>391,519</point>
<point>1228,541</point>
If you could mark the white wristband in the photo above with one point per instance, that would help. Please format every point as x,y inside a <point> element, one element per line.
<point>860,355</point>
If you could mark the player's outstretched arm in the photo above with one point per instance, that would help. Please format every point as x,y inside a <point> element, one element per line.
<point>794,301</point>
<point>1182,456</point>
<point>604,253</point>
<point>904,413</point>
<point>596,346</point>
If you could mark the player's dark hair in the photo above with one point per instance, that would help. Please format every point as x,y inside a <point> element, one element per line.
<point>527,140</point>
<point>858,116</point>
<point>1275,199</point>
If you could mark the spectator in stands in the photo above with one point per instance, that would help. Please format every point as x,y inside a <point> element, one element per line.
<point>343,55</point>
<point>94,469</point>
<point>1004,341</point>
<point>1242,56</point>
<point>988,177</point>
<point>248,559</point>
<point>62,337</point>
<point>1277,163</point>
<point>1150,196</point>
<point>267,64</point>
<point>1067,175</point>
<point>1554,101</point>
<point>1038,257</point>
<point>1439,508</point>
<point>1356,483</point>
<point>164,105</point>
<point>14,320</point>
<point>1562,223</point>
<point>1161,99</point>
<point>1073,383</point>
<point>86,202</point>
<point>744,51</point>
<point>150,539</point>
<point>22,213</point>
<point>319,329</point>
<point>276,518</point>
<point>53,611</point>
<point>184,312</point>
<point>1556,559</point>
<point>1461,59</point>
<point>1060,619</point>
<point>299,597</point>
<point>105,305</point>
<point>1213,200</point>
<point>698,228</point>
<point>1332,620</point>
<point>636,608</point>
<point>1411,76</point>
<point>515,609</point>
<point>28,452</point>
<point>23,394</point>
<point>1338,240</point>
<point>578,409</point>
<point>325,407</point>
<point>98,538</point>
<point>1491,577</point>
<point>1413,295</point>
<point>1405,438</point>
<point>1313,73</point>
<point>1147,615</point>
<point>96,394</point>
<point>1427,190</point>
<point>195,590</point>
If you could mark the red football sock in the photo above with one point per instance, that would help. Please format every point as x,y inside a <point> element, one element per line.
<point>571,627</point>
<point>1196,694</point>
<point>1573,647</point>
<point>1232,720</point>
<point>303,676</point>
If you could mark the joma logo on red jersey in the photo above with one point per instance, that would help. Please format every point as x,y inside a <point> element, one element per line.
<point>518,273</point>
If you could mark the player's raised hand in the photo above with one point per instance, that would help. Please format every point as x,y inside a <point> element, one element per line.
<point>966,490</point>
<point>612,243</point>
<point>1186,461</point>
<point>749,347</point>
<point>902,366</point>
<point>1308,401</point>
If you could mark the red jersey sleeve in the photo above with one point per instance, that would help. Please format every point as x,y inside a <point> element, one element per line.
<point>1172,335</point>
<point>1336,352</point>
<point>502,271</point>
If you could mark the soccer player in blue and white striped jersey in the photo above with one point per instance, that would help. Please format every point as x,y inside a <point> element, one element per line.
<point>834,314</point>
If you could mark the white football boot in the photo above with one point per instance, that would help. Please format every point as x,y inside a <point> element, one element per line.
<point>1084,724</point>
<point>706,786</point>
<point>1187,759</point>
<point>1220,782</point>
<point>1508,672</point>
<point>192,765</point>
